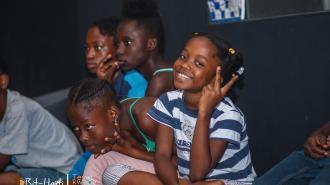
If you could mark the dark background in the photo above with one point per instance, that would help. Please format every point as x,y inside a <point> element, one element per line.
<point>286,93</point>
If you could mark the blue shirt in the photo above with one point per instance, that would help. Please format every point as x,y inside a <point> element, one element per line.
<point>130,85</point>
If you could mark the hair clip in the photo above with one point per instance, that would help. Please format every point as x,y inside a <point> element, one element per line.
<point>195,33</point>
<point>240,71</point>
<point>231,51</point>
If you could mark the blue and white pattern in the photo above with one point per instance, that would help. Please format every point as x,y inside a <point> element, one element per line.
<point>227,123</point>
<point>226,10</point>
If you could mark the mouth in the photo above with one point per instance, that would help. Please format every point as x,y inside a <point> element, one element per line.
<point>183,75</point>
<point>91,65</point>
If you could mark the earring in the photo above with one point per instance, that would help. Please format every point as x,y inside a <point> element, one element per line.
<point>116,124</point>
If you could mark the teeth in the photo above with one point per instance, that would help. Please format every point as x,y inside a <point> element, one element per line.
<point>183,76</point>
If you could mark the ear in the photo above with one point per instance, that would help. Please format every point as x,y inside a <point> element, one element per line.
<point>4,81</point>
<point>152,43</point>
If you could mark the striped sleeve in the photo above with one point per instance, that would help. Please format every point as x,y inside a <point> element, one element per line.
<point>161,111</point>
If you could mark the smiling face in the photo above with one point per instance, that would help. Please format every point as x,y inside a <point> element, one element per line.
<point>92,124</point>
<point>196,65</point>
<point>97,47</point>
<point>132,45</point>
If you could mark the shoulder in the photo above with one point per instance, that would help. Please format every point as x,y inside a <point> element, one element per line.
<point>161,82</point>
<point>15,105</point>
<point>228,112</point>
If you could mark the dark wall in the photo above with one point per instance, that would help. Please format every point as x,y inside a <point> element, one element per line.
<point>286,93</point>
<point>40,44</point>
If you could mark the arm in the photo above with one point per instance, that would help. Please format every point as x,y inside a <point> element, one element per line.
<point>4,161</point>
<point>205,153</point>
<point>160,84</point>
<point>129,146</point>
<point>165,169</point>
<point>316,144</point>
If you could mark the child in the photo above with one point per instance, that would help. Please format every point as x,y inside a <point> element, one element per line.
<point>100,49</point>
<point>96,114</point>
<point>141,44</point>
<point>208,129</point>
<point>34,145</point>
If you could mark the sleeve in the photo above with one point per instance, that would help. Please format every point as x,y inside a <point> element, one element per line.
<point>229,127</point>
<point>94,170</point>
<point>161,111</point>
<point>14,139</point>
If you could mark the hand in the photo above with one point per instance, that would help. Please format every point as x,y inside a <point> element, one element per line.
<point>316,146</point>
<point>107,69</point>
<point>109,142</point>
<point>213,93</point>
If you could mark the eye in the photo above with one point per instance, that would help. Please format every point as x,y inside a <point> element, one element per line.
<point>98,48</point>
<point>182,57</point>
<point>87,48</point>
<point>198,63</point>
<point>76,129</point>
<point>89,126</point>
<point>127,43</point>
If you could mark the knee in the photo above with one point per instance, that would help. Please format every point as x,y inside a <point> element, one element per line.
<point>114,173</point>
<point>10,178</point>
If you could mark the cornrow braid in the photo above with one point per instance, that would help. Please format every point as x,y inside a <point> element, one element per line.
<point>90,89</point>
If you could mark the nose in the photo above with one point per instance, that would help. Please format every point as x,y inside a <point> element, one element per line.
<point>120,49</point>
<point>83,137</point>
<point>90,53</point>
<point>187,64</point>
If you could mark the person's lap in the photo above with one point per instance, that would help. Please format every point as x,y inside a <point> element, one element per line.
<point>296,169</point>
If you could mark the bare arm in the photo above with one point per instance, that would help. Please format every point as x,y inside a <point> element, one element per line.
<point>129,146</point>
<point>205,153</point>
<point>4,161</point>
<point>165,169</point>
<point>160,84</point>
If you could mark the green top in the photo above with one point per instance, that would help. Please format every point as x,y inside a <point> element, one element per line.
<point>163,70</point>
<point>149,145</point>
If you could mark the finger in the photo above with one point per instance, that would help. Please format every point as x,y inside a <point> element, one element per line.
<point>106,149</point>
<point>318,151</point>
<point>217,83</point>
<point>110,140</point>
<point>96,155</point>
<point>229,84</point>
<point>107,58</point>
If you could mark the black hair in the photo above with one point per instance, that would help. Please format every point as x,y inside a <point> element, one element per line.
<point>93,92</point>
<point>231,59</point>
<point>3,67</point>
<point>107,26</point>
<point>146,14</point>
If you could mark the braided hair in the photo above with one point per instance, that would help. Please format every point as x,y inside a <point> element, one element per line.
<point>91,92</point>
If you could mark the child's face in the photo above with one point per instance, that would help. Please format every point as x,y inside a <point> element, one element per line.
<point>92,126</point>
<point>196,65</point>
<point>97,47</point>
<point>132,45</point>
